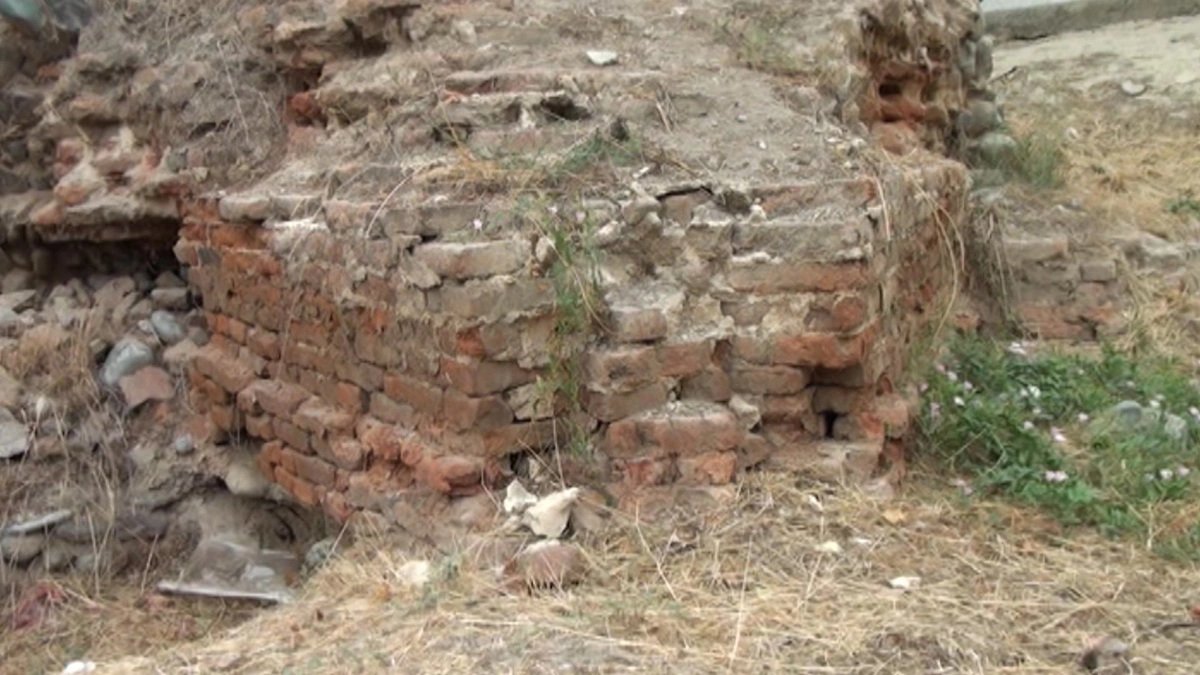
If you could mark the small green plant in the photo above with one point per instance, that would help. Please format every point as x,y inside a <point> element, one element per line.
<point>1037,159</point>
<point>755,33</point>
<point>600,151</point>
<point>1109,442</point>
<point>573,273</point>
<point>1185,206</point>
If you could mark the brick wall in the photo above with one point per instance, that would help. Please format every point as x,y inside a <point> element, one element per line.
<point>364,367</point>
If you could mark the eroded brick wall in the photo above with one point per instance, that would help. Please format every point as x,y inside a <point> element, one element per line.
<point>411,359</point>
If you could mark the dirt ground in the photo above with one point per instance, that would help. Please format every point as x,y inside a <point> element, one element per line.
<point>752,583</point>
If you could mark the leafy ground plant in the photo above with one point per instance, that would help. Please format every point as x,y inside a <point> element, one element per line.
<point>1108,441</point>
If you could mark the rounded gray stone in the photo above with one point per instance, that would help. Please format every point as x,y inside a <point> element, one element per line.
<point>167,327</point>
<point>126,358</point>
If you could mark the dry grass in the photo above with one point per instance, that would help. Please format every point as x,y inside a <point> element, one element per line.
<point>1124,164</point>
<point>740,588</point>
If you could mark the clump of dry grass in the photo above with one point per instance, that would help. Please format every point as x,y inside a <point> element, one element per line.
<point>741,587</point>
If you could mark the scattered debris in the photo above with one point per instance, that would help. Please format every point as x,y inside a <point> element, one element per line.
<point>76,667</point>
<point>602,57</point>
<point>225,569</point>
<point>828,547</point>
<point>549,516</point>
<point>1133,89</point>
<point>414,573</point>
<point>43,522</point>
<point>904,583</point>
<point>1104,648</point>
<point>517,498</point>
<point>546,564</point>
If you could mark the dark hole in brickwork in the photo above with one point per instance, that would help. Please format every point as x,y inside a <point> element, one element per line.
<point>829,417</point>
<point>888,89</point>
<point>563,108</point>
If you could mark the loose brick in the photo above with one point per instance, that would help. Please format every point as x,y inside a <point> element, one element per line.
<point>686,428</point>
<point>305,492</point>
<point>621,370</point>
<point>319,418</point>
<point>612,407</point>
<point>212,392</point>
<point>420,395</point>
<point>225,370</point>
<point>236,330</point>
<point>292,435</point>
<point>483,413</point>
<point>480,378</point>
<point>390,411</point>
<point>710,468</point>
<point>770,380</point>
<point>470,260</point>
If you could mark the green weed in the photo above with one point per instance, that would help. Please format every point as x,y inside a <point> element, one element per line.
<point>1037,160</point>
<point>1045,431</point>
<point>576,295</point>
<point>1185,206</point>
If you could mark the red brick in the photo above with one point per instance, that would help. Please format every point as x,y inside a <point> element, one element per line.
<point>261,426</point>
<point>390,411</point>
<point>336,506</point>
<point>710,468</point>
<point>213,392</point>
<point>394,445</point>
<point>292,435</point>
<point>522,437</point>
<point>689,428</point>
<point>347,453</point>
<point>226,417</point>
<point>821,350</point>
<point>684,359</point>
<point>481,413</point>
<point>305,492</point>
<point>621,370</point>
<point>231,374</point>
<point>1051,322</point>
<point>349,397</point>
<point>645,471</point>
<point>769,380</point>
<point>366,376</point>
<point>315,470</point>
<point>849,313</point>
<point>710,384</point>
<point>452,474</point>
<point>612,407</point>
<point>236,330</point>
<point>480,378</point>
<point>296,352</point>
<point>319,418</point>
<point>203,431</point>
<point>637,325</point>
<point>265,343</point>
<point>277,398</point>
<point>420,395</point>
<point>796,277</point>
<point>858,426</point>
<point>841,400</point>
<point>795,409</point>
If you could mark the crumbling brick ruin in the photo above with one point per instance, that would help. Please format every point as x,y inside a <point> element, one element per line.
<point>469,256</point>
